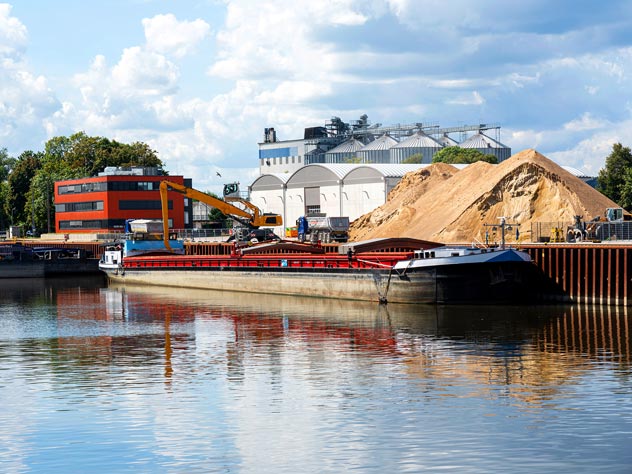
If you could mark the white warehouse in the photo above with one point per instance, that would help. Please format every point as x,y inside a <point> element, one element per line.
<point>331,189</point>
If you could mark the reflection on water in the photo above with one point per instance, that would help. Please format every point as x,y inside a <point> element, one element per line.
<point>133,379</point>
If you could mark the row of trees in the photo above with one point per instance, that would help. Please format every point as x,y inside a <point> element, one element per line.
<point>27,182</point>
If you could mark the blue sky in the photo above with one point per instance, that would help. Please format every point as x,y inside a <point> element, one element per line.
<point>199,80</point>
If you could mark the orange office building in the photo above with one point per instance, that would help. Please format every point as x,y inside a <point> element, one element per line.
<point>103,203</point>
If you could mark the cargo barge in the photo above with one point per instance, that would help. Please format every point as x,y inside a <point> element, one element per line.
<point>428,275</point>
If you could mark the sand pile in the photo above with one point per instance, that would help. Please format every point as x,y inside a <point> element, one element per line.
<point>444,204</point>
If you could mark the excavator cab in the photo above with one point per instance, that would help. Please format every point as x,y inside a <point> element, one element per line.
<point>231,190</point>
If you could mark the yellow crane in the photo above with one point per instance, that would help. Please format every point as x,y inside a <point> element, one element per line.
<point>251,217</point>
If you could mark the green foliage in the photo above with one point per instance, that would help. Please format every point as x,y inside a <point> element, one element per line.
<point>215,215</point>
<point>82,155</point>
<point>19,184</point>
<point>458,155</point>
<point>352,160</point>
<point>615,179</point>
<point>6,165</point>
<point>27,183</point>
<point>415,159</point>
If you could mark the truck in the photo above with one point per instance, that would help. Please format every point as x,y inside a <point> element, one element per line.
<point>323,228</point>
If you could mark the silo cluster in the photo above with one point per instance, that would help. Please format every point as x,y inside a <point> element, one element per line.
<point>387,149</point>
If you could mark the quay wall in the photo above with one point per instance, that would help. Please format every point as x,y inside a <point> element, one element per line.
<point>593,273</point>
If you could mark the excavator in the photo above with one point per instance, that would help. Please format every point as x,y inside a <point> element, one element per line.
<point>250,217</point>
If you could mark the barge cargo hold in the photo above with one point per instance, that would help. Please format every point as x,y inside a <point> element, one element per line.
<point>437,275</point>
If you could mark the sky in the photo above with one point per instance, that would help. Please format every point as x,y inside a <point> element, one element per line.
<point>199,80</point>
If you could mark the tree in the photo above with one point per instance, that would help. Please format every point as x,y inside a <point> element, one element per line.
<point>215,215</point>
<point>415,159</point>
<point>458,155</point>
<point>19,184</point>
<point>6,166</point>
<point>82,155</point>
<point>615,179</point>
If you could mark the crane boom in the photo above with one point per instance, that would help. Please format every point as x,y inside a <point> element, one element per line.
<point>251,218</point>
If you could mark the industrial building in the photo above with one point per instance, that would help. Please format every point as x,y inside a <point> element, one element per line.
<point>349,190</point>
<point>331,189</point>
<point>103,203</point>
<point>360,142</point>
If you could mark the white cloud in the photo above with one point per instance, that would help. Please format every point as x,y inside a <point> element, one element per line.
<point>590,153</point>
<point>473,98</point>
<point>13,34</point>
<point>145,73</point>
<point>25,98</point>
<point>585,122</point>
<point>166,35</point>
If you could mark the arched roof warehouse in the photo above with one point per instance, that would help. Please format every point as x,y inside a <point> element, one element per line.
<point>323,174</point>
<point>270,181</point>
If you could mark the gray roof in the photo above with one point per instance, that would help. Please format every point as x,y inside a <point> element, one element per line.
<point>315,151</point>
<point>481,141</point>
<point>419,140</point>
<point>385,142</point>
<point>447,141</point>
<point>352,145</point>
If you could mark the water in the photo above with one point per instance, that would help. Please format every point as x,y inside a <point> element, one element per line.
<point>143,380</point>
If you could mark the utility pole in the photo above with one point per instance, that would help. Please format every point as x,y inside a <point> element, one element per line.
<point>504,226</point>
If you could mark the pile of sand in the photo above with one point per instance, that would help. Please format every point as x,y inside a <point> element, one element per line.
<point>444,204</point>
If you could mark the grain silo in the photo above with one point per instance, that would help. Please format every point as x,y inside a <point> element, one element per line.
<point>417,144</point>
<point>378,151</point>
<point>487,146</point>
<point>317,155</point>
<point>345,152</point>
<point>445,141</point>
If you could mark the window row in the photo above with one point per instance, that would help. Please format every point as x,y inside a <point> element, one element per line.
<point>127,205</point>
<point>287,160</point>
<point>79,206</point>
<point>117,225</point>
<point>102,186</point>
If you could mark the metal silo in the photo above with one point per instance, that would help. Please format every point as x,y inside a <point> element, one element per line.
<point>378,151</point>
<point>417,144</point>
<point>317,155</point>
<point>487,146</point>
<point>345,152</point>
<point>444,140</point>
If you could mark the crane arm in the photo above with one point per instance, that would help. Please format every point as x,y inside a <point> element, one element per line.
<point>251,219</point>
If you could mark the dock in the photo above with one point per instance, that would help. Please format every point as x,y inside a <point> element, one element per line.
<point>590,273</point>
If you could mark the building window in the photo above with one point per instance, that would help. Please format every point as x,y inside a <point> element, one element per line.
<point>82,188</point>
<point>133,185</point>
<point>142,205</point>
<point>109,186</point>
<point>79,206</point>
<point>92,224</point>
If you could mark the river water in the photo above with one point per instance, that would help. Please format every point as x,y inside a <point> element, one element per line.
<point>146,380</point>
